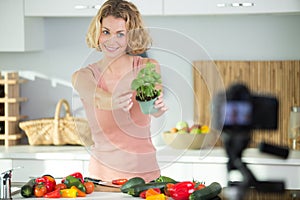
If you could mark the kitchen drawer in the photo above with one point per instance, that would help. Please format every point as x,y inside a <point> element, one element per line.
<point>36,168</point>
<point>178,171</point>
<point>5,164</point>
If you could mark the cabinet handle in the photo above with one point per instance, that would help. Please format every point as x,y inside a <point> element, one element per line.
<point>246,4</point>
<point>96,7</point>
<point>242,4</point>
<point>81,7</point>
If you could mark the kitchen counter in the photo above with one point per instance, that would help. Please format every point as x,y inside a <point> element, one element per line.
<point>94,195</point>
<point>164,154</point>
<point>202,165</point>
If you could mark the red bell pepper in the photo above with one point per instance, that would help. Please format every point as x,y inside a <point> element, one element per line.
<point>48,181</point>
<point>182,190</point>
<point>54,194</point>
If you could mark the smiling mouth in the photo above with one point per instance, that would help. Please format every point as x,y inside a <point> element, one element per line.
<point>111,49</point>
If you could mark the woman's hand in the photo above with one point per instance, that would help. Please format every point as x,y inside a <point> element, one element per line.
<point>106,101</point>
<point>160,105</point>
<point>122,101</point>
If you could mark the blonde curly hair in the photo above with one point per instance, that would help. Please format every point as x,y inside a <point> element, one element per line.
<point>138,37</point>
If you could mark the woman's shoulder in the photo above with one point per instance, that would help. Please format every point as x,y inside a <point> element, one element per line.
<point>144,60</point>
<point>85,72</point>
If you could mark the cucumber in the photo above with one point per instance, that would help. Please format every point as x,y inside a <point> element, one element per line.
<point>137,189</point>
<point>206,193</point>
<point>27,189</point>
<point>131,182</point>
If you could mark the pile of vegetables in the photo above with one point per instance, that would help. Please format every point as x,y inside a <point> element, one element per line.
<point>164,187</point>
<point>46,186</point>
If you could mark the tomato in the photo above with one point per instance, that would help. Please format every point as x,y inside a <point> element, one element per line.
<point>40,190</point>
<point>199,186</point>
<point>120,181</point>
<point>61,186</point>
<point>89,187</point>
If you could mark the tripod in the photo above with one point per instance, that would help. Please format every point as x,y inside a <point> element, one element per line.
<point>235,143</point>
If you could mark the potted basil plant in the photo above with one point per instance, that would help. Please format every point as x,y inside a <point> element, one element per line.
<point>145,86</point>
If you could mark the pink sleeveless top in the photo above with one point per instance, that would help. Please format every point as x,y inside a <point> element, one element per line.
<point>122,140</point>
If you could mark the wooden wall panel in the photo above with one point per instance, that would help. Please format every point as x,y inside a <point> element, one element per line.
<point>278,78</point>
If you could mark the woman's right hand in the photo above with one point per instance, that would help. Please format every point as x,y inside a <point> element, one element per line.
<point>122,101</point>
<point>106,101</point>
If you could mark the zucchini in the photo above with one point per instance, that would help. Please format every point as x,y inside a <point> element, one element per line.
<point>27,189</point>
<point>137,189</point>
<point>206,193</point>
<point>131,182</point>
<point>164,179</point>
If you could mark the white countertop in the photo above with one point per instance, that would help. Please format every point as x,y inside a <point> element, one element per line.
<point>94,195</point>
<point>164,154</point>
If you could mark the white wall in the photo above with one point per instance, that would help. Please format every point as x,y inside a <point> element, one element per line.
<point>236,37</point>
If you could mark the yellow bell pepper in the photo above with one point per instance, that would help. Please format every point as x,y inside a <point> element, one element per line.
<point>68,193</point>
<point>157,197</point>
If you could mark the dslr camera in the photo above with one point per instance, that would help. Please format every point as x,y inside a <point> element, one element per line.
<point>240,110</point>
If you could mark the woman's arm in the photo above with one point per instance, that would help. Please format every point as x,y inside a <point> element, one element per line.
<point>84,83</point>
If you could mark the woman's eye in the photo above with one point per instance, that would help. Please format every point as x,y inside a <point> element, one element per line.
<point>120,35</point>
<point>105,32</point>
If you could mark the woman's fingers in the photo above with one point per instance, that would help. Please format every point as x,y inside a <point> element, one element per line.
<point>123,101</point>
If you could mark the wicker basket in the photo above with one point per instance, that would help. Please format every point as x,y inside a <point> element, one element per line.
<point>57,130</point>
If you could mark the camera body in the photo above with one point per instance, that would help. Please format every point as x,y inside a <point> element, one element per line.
<point>239,110</point>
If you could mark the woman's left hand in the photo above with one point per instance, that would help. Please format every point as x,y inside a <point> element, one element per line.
<point>160,105</point>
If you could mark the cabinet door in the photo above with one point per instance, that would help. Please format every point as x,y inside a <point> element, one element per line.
<point>36,168</point>
<point>62,8</point>
<point>212,7</point>
<point>177,171</point>
<point>153,7</point>
<point>18,33</point>
<point>87,8</point>
<point>210,172</point>
<point>5,164</point>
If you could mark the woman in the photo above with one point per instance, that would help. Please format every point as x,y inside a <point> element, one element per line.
<point>121,133</point>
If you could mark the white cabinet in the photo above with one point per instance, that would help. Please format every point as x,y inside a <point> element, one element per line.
<point>17,32</point>
<point>36,168</point>
<point>215,7</point>
<point>82,8</point>
<point>153,7</point>
<point>5,164</point>
<point>62,8</point>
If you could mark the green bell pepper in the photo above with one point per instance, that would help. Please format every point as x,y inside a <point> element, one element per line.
<point>72,181</point>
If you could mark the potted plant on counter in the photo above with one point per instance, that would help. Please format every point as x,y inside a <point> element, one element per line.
<point>145,86</point>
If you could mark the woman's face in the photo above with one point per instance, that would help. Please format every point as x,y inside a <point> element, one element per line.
<point>113,38</point>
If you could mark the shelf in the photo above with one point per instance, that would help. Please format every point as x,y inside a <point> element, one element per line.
<point>10,98</point>
<point>12,82</point>
<point>12,118</point>
<point>11,136</point>
<point>13,100</point>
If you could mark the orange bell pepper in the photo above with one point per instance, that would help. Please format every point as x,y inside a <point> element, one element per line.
<point>157,197</point>
<point>152,192</point>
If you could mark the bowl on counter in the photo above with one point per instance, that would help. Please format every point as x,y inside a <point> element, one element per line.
<point>185,140</point>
